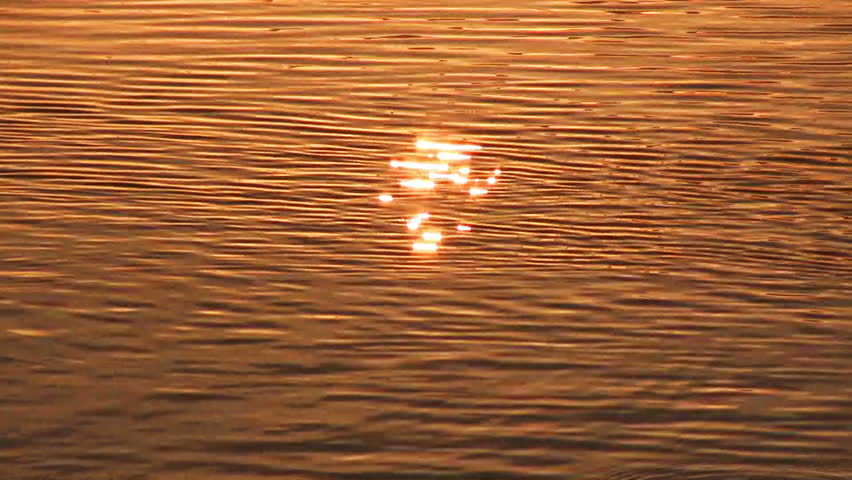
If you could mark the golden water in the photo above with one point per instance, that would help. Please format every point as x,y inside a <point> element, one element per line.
<point>199,279</point>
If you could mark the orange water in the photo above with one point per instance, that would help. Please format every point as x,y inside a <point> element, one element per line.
<point>198,280</point>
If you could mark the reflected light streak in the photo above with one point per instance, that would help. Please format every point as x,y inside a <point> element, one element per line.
<point>477,191</point>
<point>446,147</point>
<point>385,198</point>
<point>412,165</point>
<point>453,177</point>
<point>491,180</point>
<point>428,247</point>
<point>414,223</point>
<point>418,183</point>
<point>432,236</point>
<point>452,156</point>
<point>463,228</point>
<point>458,179</point>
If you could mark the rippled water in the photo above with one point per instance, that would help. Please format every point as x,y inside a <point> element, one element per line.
<point>198,280</point>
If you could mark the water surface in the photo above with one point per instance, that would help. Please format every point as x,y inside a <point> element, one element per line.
<point>199,281</point>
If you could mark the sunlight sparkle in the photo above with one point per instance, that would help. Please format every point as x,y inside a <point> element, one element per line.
<point>418,183</point>
<point>428,247</point>
<point>432,236</point>
<point>446,147</point>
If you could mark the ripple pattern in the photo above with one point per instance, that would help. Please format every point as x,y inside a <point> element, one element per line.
<point>197,279</point>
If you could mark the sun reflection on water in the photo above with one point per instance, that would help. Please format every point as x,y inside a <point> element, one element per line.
<point>433,190</point>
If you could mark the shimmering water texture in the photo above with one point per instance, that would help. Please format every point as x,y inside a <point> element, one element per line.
<point>443,239</point>
<point>434,174</point>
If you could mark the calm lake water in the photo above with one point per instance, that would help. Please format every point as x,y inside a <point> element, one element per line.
<point>200,282</point>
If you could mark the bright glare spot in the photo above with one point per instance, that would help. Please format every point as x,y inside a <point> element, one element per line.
<point>424,247</point>
<point>414,223</point>
<point>452,156</point>
<point>434,165</point>
<point>418,183</point>
<point>446,147</point>
<point>458,179</point>
<point>431,166</point>
<point>432,236</point>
